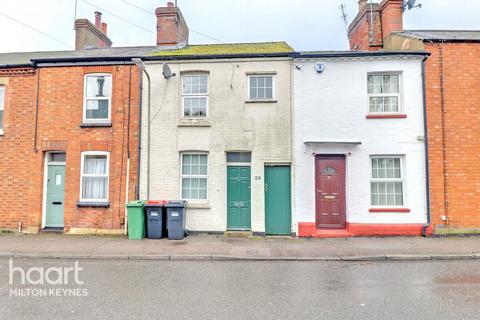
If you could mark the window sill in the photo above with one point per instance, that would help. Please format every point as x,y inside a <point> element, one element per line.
<point>198,205</point>
<point>386,116</point>
<point>398,210</point>
<point>95,124</point>
<point>2,133</point>
<point>194,122</point>
<point>261,101</point>
<point>85,204</point>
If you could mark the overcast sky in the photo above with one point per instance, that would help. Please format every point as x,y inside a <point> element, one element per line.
<point>304,24</point>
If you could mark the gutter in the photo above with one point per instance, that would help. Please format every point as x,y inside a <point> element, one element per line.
<point>354,54</point>
<point>427,164</point>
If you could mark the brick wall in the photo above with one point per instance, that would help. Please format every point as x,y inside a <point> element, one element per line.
<point>16,148</point>
<point>59,119</point>
<point>455,192</point>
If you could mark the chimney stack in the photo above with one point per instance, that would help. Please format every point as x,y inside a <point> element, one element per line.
<point>91,36</point>
<point>361,4</point>
<point>172,29</point>
<point>374,23</point>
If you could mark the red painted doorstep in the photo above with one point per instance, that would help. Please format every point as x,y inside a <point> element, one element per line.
<point>386,116</point>
<point>389,210</point>
<point>308,229</point>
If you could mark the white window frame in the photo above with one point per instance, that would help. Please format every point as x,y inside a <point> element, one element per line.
<point>196,95</point>
<point>85,98</point>
<point>94,153</point>
<point>182,176</point>
<point>401,179</point>
<point>260,75</point>
<point>2,107</point>
<point>383,95</point>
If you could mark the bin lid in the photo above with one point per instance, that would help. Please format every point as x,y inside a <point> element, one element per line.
<point>155,203</point>
<point>138,203</point>
<point>176,204</point>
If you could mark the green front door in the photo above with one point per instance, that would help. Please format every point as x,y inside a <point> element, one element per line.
<point>238,198</point>
<point>277,200</point>
<point>55,196</point>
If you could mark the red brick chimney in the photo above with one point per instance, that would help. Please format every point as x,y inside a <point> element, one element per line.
<point>374,23</point>
<point>90,36</point>
<point>172,29</point>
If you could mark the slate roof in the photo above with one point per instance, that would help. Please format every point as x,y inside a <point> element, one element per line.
<point>124,53</point>
<point>24,58</point>
<point>445,35</point>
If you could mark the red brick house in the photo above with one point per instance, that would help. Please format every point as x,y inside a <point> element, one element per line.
<point>452,107</point>
<point>69,125</point>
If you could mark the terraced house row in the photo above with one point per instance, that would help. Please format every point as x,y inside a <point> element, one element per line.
<point>378,140</point>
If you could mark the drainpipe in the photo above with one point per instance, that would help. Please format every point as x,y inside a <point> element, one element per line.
<point>444,139</point>
<point>427,165</point>
<point>127,182</point>
<point>143,69</point>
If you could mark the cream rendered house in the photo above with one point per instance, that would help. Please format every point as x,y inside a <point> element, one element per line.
<point>216,131</point>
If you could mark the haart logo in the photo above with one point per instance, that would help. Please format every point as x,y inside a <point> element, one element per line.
<point>60,278</point>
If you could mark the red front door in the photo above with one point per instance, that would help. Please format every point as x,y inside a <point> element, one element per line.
<point>330,191</point>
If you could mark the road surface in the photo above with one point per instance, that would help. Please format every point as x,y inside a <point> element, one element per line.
<point>244,290</point>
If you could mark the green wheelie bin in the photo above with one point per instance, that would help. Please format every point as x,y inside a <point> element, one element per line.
<point>136,220</point>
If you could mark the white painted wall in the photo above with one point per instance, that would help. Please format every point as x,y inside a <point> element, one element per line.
<point>233,125</point>
<point>333,105</point>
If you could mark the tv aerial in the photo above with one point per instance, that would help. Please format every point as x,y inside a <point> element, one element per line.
<point>410,4</point>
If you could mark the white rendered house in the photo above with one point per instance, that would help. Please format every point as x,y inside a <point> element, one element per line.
<point>359,144</point>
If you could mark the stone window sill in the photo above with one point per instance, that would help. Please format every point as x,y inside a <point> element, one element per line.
<point>198,205</point>
<point>261,101</point>
<point>398,210</point>
<point>386,116</point>
<point>194,122</point>
<point>96,125</point>
<point>85,204</point>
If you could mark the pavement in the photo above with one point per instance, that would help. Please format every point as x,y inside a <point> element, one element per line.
<point>216,247</point>
<point>246,290</point>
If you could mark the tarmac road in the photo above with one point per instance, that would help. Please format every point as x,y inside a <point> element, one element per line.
<point>245,290</point>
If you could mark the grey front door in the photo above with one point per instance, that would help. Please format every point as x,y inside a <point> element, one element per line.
<point>55,196</point>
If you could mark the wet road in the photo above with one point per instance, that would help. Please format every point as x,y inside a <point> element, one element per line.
<point>245,290</point>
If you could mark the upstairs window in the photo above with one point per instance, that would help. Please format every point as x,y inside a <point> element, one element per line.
<point>94,177</point>
<point>260,87</point>
<point>2,102</point>
<point>195,95</point>
<point>384,93</point>
<point>386,184</point>
<point>98,96</point>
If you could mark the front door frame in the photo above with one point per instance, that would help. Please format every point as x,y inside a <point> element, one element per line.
<point>45,183</point>
<point>344,204</point>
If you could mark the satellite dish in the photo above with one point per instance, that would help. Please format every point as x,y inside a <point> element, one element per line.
<point>167,72</point>
<point>410,4</point>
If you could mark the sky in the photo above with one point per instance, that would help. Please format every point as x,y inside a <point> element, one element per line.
<point>304,24</point>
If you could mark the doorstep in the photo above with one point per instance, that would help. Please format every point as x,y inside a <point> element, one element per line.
<point>331,233</point>
<point>238,234</point>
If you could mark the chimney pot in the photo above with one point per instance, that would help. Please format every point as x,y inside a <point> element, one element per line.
<point>104,28</point>
<point>98,19</point>
<point>170,4</point>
